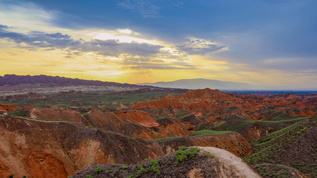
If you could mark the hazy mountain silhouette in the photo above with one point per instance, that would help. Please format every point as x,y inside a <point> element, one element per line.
<point>205,83</point>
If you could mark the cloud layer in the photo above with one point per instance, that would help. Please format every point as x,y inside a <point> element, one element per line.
<point>132,54</point>
<point>261,42</point>
<point>197,46</point>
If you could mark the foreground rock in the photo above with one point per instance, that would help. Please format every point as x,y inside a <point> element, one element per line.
<point>209,162</point>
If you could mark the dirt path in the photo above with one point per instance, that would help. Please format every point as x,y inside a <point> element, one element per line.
<point>231,163</point>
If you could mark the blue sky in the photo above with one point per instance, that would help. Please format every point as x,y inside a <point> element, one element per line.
<point>266,42</point>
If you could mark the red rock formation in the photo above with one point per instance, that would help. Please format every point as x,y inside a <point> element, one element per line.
<point>207,101</point>
<point>201,104</point>
<point>139,117</point>
<point>168,101</point>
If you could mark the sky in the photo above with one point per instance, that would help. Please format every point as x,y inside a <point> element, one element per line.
<point>261,42</point>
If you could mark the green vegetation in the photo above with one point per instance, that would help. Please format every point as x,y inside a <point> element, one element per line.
<point>211,132</point>
<point>108,171</point>
<point>232,109</point>
<point>210,155</point>
<point>98,170</point>
<point>124,167</point>
<point>167,138</point>
<point>205,116</point>
<point>185,116</point>
<point>154,167</point>
<point>114,165</point>
<point>185,154</point>
<point>89,176</point>
<point>269,148</point>
<point>218,125</point>
<point>181,114</point>
<point>240,124</point>
<point>269,145</point>
<point>272,171</point>
<point>75,166</point>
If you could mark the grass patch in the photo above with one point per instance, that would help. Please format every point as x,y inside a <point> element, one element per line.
<point>241,125</point>
<point>161,139</point>
<point>209,132</point>
<point>218,125</point>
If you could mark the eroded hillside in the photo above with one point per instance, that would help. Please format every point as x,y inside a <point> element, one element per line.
<point>56,148</point>
<point>128,127</point>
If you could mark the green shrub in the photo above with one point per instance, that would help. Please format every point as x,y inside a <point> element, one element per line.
<point>205,155</point>
<point>141,171</point>
<point>212,156</point>
<point>155,167</point>
<point>108,171</point>
<point>124,167</point>
<point>75,166</point>
<point>183,155</point>
<point>98,170</point>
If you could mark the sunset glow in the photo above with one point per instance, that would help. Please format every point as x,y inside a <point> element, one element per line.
<point>135,46</point>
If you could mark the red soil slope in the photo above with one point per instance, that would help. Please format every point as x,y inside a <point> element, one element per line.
<point>139,117</point>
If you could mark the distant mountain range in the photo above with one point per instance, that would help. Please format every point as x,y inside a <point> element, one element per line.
<point>212,84</point>
<point>52,81</point>
<point>57,81</point>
